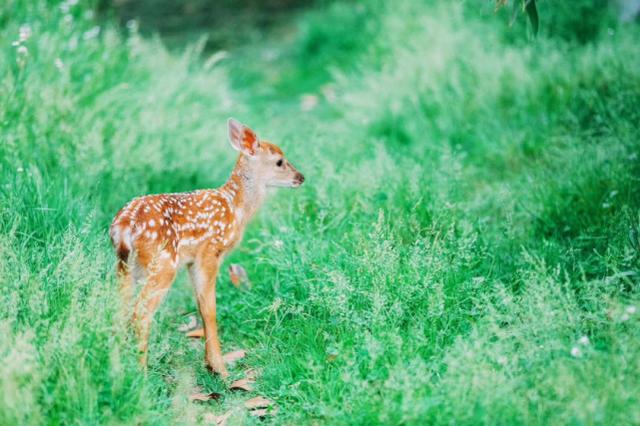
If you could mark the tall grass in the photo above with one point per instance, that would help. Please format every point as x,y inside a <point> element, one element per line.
<point>465,248</point>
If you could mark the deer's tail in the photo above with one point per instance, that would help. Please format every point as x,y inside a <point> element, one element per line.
<point>121,239</point>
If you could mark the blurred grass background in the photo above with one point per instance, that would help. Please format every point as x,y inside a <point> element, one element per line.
<point>465,249</point>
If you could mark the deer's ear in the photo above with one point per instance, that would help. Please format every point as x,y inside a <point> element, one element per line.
<point>242,138</point>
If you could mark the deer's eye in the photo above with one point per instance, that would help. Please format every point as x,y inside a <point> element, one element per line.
<point>279,163</point>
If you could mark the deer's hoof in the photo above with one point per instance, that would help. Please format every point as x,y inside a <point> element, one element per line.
<point>222,372</point>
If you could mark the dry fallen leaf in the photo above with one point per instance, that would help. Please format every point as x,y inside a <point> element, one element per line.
<point>238,275</point>
<point>258,402</point>
<point>245,384</point>
<point>234,356</point>
<point>196,334</point>
<point>260,407</point>
<point>189,325</point>
<point>262,412</point>
<point>219,420</point>
<point>201,396</point>
<point>252,374</point>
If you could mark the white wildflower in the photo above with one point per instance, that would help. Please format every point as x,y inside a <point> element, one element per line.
<point>73,43</point>
<point>59,64</point>
<point>278,244</point>
<point>308,102</point>
<point>24,32</point>
<point>576,352</point>
<point>329,93</point>
<point>478,280</point>
<point>23,51</point>
<point>92,33</point>
<point>66,6</point>
<point>277,303</point>
<point>132,25</point>
<point>631,309</point>
<point>584,340</point>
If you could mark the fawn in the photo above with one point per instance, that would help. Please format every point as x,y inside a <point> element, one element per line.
<point>155,235</point>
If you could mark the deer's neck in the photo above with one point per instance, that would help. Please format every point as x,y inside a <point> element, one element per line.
<point>245,192</point>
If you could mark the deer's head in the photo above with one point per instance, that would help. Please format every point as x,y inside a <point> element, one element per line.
<point>261,160</point>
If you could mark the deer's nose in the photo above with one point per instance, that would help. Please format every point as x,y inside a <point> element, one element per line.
<point>299,178</point>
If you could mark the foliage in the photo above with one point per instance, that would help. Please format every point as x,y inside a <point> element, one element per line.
<point>464,249</point>
<point>527,6</point>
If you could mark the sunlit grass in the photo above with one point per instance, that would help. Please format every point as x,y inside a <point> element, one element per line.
<point>464,250</point>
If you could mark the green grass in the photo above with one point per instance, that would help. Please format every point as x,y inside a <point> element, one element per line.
<point>464,249</point>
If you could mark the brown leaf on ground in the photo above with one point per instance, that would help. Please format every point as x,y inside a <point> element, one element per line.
<point>219,420</point>
<point>234,356</point>
<point>252,374</point>
<point>262,412</point>
<point>238,275</point>
<point>191,323</point>
<point>201,396</point>
<point>198,333</point>
<point>258,402</point>
<point>245,384</point>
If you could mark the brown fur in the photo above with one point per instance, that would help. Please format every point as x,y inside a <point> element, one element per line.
<point>155,235</point>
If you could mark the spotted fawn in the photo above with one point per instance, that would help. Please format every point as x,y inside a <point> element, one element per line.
<point>155,235</point>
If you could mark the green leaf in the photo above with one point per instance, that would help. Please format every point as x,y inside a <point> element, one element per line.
<point>532,12</point>
<point>514,12</point>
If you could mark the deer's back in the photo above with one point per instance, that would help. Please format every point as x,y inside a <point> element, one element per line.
<point>174,225</point>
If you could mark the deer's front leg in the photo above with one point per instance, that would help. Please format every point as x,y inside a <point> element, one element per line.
<point>203,275</point>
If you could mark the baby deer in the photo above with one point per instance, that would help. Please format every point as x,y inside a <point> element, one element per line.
<point>155,235</point>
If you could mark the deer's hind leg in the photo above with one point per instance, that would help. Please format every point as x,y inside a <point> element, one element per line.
<point>125,282</point>
<point>161,272</point>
